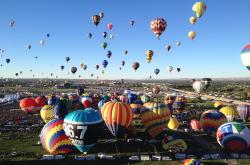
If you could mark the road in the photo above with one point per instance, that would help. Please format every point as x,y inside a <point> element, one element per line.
<point>224,100</point>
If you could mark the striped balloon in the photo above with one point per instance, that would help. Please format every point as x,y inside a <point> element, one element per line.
<point>230,113</point>
<point>211,120</point>
<point>54,139</point>
<point>159,109</point>
<point>158,26</point>
<point>117,116</point>
<point>243,111</point>
<point>195,125</point>
<point>154,124</point>
<point>245,56</point>
<point>137,123</point>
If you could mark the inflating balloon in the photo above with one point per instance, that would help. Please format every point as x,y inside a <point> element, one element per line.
<point>47,113</point>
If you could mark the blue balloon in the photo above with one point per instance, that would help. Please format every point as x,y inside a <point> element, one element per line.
<point>132,98</point>
<point>104,63</point>
<point>83,127</point>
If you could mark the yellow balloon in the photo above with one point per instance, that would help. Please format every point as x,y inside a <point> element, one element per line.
<point>173,123</point>
<point>230,112</point>
<point>192,20</point>
<point>199,8</point>
<point>191,35</point>
<point>47,113</point>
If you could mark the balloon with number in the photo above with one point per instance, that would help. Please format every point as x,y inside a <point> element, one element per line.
<point>83,127</point>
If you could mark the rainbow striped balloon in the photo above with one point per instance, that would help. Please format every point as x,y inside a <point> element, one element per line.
<point>211,120</point>
<point>117,116</point>
<point>54,139</point>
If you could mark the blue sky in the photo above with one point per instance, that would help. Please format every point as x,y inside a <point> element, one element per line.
<point>222,32</point>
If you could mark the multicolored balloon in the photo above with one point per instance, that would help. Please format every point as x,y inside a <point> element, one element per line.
<point>234,137</point>
<point>245,56</point>
<point>230,113</point>
<point>158,26</point>
<point>54,139</point>
<point>83,127</point>
<point>135,65</point>
<point>211,120</point>
<point>244,111</point>
<point>199,9</point>
<point>117,116</point>
<point>96,19</point>
<point>47,113</point>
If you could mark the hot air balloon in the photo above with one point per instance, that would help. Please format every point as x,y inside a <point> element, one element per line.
<point>244,111</point>
<point>104,63</point>
<point>104,34</point>
<point>174,143</point>
<point>123,63</point>
<point>211,120</point>
<point>178,43</point>
<point>218,105</point>
<point>199,86</point>
<point>135,65</point>
<point>132,22</point>
<point>40,102</point>
<point>117,116</point>
<point>192,161</point>
<point>169,99</point>
<point>230,113</point>
<point>158,26</point>
<point>81,65</point>
<point>109,54</point>
<point>191,34</point>
<point>73,69</point>
<point>97,67</point>
<point>234,137</point>
<point>159,109</point>
<point>48,35</point>
<point>132,98</point>
<point>170,68</point>
<point>126,52</point>
<point>67,59</point>
<point>89,35</point>
<point>195,125</point>
<point>192,20</point>
<point>62,67</point>
<point>149,55</point>
<point>173,123</point>
<point>54,139</point>
<point>42,42</point>
<point>85,67</point>
<point>154,124</point>
<point>207,81</point>
<point>87,101</point>
<point>109,26</point>
<point>16,74</point>
<point>145,98</point>
<point>47,113</point>
<point>80,91</point>
<point>28,105</point>
<point>178,69</point>
<point>111,36</point>
<point>91,74</point>
<point>245,56</point>
<point>104,45</point>
<point>29,47</point>
<point>168,47</point>
<point>137,123</point>
<point>199,8</point>
<point>7,60</point>
<point>156,90</point>
<point>81,127</point>
<point>12,23</point>
<point>157,71</point>
<point>96,19</point>
<point>123,98</point>
<point>179,106</point>
<point>101,14</point>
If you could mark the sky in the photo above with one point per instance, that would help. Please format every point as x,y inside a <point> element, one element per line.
<point>222,32</point>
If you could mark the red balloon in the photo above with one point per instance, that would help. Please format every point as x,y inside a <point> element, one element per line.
<point>28,105</point>
<point>195,125</point>
<point>40,102</point>
<point>110,26</point>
